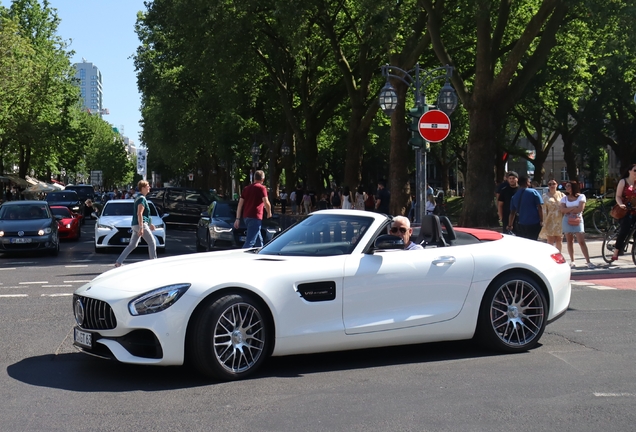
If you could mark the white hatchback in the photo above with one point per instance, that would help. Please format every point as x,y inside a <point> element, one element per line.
<point>113,226</point>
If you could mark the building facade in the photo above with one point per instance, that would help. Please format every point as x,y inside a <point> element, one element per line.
<point>90,83</point>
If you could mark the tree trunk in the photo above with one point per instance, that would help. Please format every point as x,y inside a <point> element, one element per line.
<point>479,205</point>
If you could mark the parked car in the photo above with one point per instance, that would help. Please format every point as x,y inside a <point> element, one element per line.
<point>183,205</point>
<point>68,223</point>
<point>68,199</point>
<point>28,226</point>
<point>113,226</point>
<point>334,281</point>
<point>215,229</point>
<point>84,192</point>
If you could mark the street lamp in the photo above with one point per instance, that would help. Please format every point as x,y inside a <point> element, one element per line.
<point>446,102</point>
<point>256,151</point>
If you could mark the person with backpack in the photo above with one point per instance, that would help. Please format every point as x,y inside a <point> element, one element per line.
<point>336,199</point>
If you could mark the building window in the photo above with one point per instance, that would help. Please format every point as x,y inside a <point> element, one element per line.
<point>564,174</point>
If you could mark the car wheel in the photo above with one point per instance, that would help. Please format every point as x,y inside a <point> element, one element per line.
<point>207,246</point>
<point>200,247</point>
<point>229,338</point>
<point>512,316</point>
<point>55,251</point>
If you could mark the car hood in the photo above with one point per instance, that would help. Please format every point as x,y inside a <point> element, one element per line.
<point>124,221</point>
<point>24,225</point>
<point>64,203</point>
<point>210,268</point>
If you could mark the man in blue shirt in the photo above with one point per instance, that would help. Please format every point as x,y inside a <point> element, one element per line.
<point>527,202</point>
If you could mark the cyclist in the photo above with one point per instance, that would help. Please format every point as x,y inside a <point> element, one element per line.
<point>625,198</point>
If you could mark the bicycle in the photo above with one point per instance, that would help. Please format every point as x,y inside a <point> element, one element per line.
<point>601,218</point>
<point>609,242</point>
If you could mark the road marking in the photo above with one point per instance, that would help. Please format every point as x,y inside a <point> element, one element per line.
<point>614,394</point>
<point>33,283</point>
<point>9,268</point>
<point>57,295</point>
<point>14,295</point>
<point>23,262</point>
<point>76,266</point>
<point>78,281</point>
<point>56,286</point>
<point>86,260</point>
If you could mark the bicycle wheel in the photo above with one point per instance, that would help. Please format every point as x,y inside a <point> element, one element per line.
<point>633,242</point>
<point>607,249</point>
<point>600,221</point>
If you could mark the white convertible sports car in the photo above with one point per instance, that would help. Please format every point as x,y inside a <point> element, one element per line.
<point>335,281</point>
<point>112,228</point>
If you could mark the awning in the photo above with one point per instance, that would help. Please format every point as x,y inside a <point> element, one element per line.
<point>17,180</point>
<point>43,187</point>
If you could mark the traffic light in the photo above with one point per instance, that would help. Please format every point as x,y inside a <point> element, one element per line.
<point>416,140</point>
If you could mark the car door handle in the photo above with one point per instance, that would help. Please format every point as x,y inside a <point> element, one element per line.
<point>444,261</point>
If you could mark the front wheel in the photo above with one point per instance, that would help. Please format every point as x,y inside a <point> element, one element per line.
<point>609,244</point>
<point>600,221</point>
<point>229,338</point>
<point>512,316</point>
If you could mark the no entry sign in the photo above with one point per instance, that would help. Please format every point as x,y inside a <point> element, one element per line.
<point>434,126</point>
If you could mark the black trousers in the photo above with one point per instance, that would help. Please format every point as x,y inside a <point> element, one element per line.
<point>626,225</point>
<point>529,231</point>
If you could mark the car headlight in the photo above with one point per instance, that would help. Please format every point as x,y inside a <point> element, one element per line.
<point>157,300</point>
<point>102,226</point>
<point>221,229</point>
<point>75,208</point>
<point>272,230</point>
<point>159,225</point>
<point>1,233</point>
<point>46,230</point>
<point>68,226</point>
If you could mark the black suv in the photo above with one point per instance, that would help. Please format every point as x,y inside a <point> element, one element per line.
<point>69,199</point>
<point>84,192</point>
<point>183,205</point>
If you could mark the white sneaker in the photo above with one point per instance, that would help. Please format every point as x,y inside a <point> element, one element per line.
<point>591,265</point>
<point>572,265</point>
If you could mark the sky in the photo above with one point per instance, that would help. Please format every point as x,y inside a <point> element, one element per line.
<point>103,33</point>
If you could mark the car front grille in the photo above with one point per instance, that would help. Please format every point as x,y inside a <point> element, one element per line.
<point>116,240</point>
<point>98,315</point>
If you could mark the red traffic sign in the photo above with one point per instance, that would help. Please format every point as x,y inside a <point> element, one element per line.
<point>434,126</point>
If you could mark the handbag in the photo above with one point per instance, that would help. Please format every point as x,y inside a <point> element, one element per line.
<point>574,221</point>
<point>618,212</point>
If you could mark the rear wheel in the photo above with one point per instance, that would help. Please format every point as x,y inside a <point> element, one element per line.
<point>601,221</point>
<point>512,316</point>
<point>229,338</point>
<point>609,244</point>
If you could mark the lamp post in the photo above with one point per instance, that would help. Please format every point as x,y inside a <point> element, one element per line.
<point>446,102</point>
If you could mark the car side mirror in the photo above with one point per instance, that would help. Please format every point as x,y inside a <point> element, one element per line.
<point>205,214</point>
<point>165,215</point>
<point>94,215</point>
<point>58,217</point>
<point>388,242</point>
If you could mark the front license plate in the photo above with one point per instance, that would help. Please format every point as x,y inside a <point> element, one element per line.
<point>20,240</point>
<point>241,238</point>
<point>125,240</point>
<point>83,338</point>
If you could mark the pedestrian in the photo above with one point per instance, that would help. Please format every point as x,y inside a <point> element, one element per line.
<point>94,207</point>
<point>336,199</point>
<point>552,230</point>
<point>369,204</point>
<point>347,202</point>
<point>626,199</point>
<point>307,203</point>
<point>323,204</point>
<point>141,226</point>
<point>383,198</point>
<point>528,203</point>
<point>283,202</point>
<point>430,204</point>
<point>360,198</point>
<point>294,206</point>
<point>505,196</point>
<point>299,199</point>
<point>572,206</point>
<point>250,206</point>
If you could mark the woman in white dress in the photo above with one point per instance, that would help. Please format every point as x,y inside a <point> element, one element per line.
<point>361,197</point>
<point>347,202</point>
<point>572,206</point>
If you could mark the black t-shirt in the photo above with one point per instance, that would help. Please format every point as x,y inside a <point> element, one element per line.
<point>385,197</point>
<point>505,196</point>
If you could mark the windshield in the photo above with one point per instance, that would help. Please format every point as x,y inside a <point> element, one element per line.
<point>225,210</point>
<point>320,235</point>
<point>62,196</point>
<point>25,212</point>
<point>125,209</point>
<point>61,211</point>
<point>83,191</point>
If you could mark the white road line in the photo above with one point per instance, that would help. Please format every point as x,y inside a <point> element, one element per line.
<point>601,287</point>
<point>78,281</point>
<point>14,295</point>
<point>78,261</point>
<point>33,283</point>
<point>57,295</point>
<point>9,268</point>
<point>614,394</point>
<point>76,266</point>
<point>56,286</point>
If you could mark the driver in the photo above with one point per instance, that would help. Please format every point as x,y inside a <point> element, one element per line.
<point>401,227</point>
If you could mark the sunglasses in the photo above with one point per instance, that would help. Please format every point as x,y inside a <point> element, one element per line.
<point>401,229</point>
<point>552,184</point>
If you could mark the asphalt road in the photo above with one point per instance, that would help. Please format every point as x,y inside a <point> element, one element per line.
<point>581,378</point>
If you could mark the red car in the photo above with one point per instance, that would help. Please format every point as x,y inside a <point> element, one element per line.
<point>68,222</point>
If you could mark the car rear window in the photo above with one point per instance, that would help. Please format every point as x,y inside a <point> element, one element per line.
<point>62,196</point>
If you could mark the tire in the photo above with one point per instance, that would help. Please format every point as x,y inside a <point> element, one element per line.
<point>56,251</point>
<point>512,315</point>
<point>199,246</point>
<point>229,338</point>
<point>207,246</point>
<point>609,243</point>
<point>601,221</point>
<point>633,250</point>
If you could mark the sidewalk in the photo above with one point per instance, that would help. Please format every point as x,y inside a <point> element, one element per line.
<point>624,264</point>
